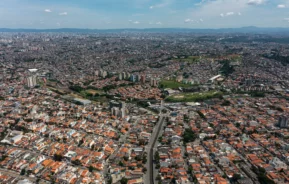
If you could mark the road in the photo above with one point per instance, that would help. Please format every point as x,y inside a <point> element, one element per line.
<point>16,175</point>
<point>149,177</point>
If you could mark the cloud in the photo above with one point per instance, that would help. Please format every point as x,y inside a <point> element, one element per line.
<point>281,6</point>
<point>200,3</point>
<point>201,20</point>
<point>47,10</point>
<point>159,23</point>
<point>286,19</point>
<point>188,21</point>
<point>239,13</point>
<point>161,5</point>
<point>230,13</point>
<point>63,13</point>
<point>136,22</point>
<point>255,2</point>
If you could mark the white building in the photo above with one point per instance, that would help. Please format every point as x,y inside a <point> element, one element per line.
<point>16,138</point>
<point>31,81</point>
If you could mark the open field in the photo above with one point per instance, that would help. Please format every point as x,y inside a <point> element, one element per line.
<point>94,92</point>
<point>173,84</point>
<point>194,97</point>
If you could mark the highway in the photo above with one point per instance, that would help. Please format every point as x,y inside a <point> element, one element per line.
<point>149,177</point>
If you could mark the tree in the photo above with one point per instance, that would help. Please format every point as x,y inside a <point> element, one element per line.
<point>80,143</point>
<point>23,171</point>
<point>123,181</point>
<point>158,177</point>
<point>76,162</point>
<point>137,158</point>
<point>158,166</point>
<point>120,164</point>
<point>238,125</point>
<point>58,157</point>
<point>144,170</point>
<point>188,136</point>
<point>90,168</point>
<point>157,156</point>
<point>201,114</point>
<point>144,160</point>
<point>92,147</point>
<point>226,103</point>
<point>236,177</point>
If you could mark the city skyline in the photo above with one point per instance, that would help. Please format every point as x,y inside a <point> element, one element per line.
<point>115,14</point>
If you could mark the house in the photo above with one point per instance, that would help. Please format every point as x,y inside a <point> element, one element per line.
<point>277,163</point>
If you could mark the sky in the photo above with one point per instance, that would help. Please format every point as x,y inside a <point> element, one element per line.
<point>112,14</point>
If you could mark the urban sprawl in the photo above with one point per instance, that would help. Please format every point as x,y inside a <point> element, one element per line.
<point>135,108</point>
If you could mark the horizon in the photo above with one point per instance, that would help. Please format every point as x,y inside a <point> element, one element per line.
<point>196,28</point>
<point>143,14</point>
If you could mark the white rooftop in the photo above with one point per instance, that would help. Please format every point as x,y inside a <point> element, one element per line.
<point>33,70</point>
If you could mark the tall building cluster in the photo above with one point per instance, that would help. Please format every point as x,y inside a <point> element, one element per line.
<point>101,73</point>
<point>118,108</point>
<point>138,78</point>
<point>124,76</point>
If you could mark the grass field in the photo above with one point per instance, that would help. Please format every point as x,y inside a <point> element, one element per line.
<point>173,84</point>
<point>194,97</point>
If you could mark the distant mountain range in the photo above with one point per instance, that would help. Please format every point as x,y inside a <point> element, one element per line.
<point>250,29</point>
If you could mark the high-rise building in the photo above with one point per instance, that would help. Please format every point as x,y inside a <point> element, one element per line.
<point>138,78</point>
<point>31,81</point>
<point>143,79</point>
<point>100,73</point>
<point>133,78</point>
<point>154,82</point>
<point>123,75</point>
<point>104,74</point>
<point>122,112</point>
<point>120,77</point>
<point>283,122</point>
<point>32,78</point>
<point>118,108</point>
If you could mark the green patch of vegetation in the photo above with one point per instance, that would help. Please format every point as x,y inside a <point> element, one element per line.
<point>189,136</point>
<point>226,69</point>
<point>201,115</point>
<point>2,98</point>
<point>261,173</point>
<point>173,84</point>
<point>194,97</point>
<point>189,59</point>
<point>76,88</point>
<point>257,94</point>
<point>235,57</point>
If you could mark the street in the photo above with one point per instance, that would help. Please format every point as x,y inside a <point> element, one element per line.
<point>149,176</point>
